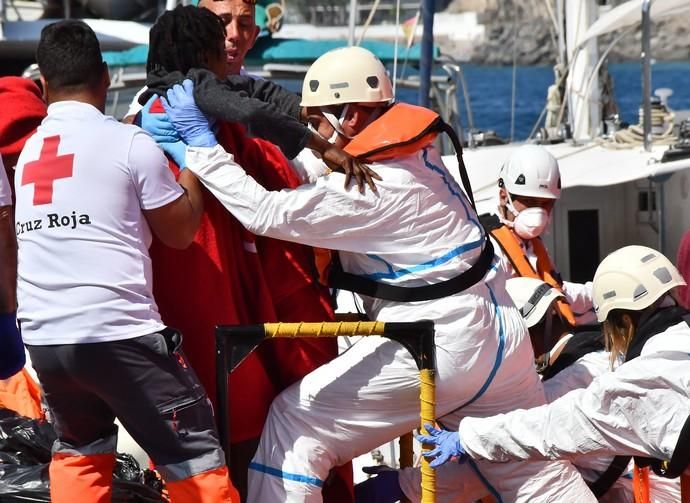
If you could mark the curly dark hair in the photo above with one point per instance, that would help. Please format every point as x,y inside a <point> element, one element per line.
<point>183,38</point>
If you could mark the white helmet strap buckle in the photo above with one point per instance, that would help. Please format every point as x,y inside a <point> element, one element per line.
<point>337,122</point>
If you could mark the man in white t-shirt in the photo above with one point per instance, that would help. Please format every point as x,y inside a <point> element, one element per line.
<point>89,194</point>
<point>12,357</point>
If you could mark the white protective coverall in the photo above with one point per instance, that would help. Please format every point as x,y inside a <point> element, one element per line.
<point>418,229</point>
<point>580,375</point>
<point>461,485</point>
<point>637,410</point>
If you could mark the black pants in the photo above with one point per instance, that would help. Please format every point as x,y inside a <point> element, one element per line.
<point>147,384</point>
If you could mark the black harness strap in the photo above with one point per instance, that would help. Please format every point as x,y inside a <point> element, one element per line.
<point>371,288</point>
<point>680,460</point>
<point>578,346</point>
<point>606,480</point>
<point>464,177</point>
<point>340,279</point>
<point>656,324</point>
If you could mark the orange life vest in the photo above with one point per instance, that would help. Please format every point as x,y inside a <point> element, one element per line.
<point>545,269</point>
<point>641,484</point>
<point>402,130</point>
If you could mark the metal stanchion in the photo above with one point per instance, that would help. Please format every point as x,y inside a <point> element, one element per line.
<point>234,343</point>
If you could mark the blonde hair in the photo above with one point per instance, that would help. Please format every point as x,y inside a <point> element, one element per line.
<point>619,329</point>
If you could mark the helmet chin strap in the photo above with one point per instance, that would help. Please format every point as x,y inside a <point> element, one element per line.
<point>337,123</point>
<point>510,207</point>
<point>330,140</point>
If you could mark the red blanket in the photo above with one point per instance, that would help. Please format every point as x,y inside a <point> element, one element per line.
<point>229,276</point>
<point>683,265</point>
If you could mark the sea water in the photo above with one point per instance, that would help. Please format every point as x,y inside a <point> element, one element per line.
<point>490,91</point>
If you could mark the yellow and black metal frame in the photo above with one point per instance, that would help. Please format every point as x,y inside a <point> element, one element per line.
<point>235,343</point>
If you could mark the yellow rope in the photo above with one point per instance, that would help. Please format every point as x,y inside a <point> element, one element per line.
<point>427,397</point>
<point>326,329</point>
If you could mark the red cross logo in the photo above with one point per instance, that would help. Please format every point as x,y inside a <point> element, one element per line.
<point>46,169</point>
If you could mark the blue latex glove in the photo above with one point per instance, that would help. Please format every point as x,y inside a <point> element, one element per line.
<point>190,122</point>
<point>448,446</point>
<point>384,488</point>
<point>12,357</point>
<point>163,131</point>
<point>157,124</point>
<point>177,150</point>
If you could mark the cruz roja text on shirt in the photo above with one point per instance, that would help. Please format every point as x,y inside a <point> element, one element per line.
<point>52,221</point>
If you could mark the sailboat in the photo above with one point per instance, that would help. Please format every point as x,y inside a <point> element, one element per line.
<point>619,184</point>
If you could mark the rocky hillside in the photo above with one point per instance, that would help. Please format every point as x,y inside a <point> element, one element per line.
<point>523,26</point>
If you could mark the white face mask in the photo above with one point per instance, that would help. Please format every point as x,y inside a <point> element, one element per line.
<point>531,222</point>
<point>528,223</point>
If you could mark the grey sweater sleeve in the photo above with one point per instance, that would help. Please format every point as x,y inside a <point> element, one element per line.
<point>268,92</point>
<point>269,111</point>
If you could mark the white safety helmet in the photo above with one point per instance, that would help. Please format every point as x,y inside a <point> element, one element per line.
<point>632,278</point>
<point>531,171</point>
<point>346,75</point>
<point>532,297</point>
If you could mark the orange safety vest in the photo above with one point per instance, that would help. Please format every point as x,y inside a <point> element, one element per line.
<point>545,269</point>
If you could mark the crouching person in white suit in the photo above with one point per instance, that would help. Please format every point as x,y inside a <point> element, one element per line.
<point>641,409</point>
<point>419,229</point>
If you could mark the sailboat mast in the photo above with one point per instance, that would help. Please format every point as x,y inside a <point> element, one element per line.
<point>585,112</point>
<point>352,23</point>
<point>560,14</point>
<point>647,74</point>
<point>426,61</point>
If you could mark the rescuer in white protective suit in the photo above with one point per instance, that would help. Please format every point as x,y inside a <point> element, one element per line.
<point>641,409</point>
<point>529,185</point>
<point>418,229</point>
<point>568,361</point>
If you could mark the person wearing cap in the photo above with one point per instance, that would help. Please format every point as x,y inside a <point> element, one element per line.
<point>573,362</point>
<point>418,230</point>
<point>529,185</point>
<point>641,409</point>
